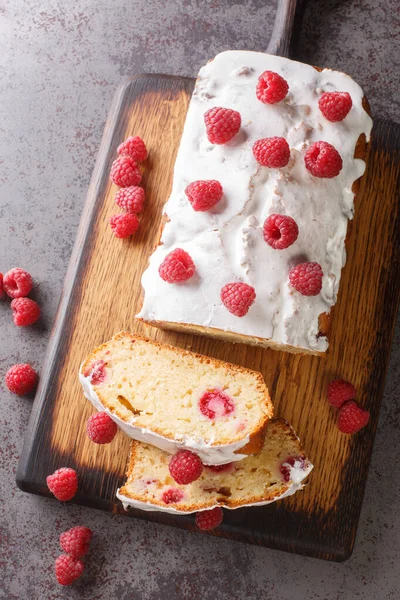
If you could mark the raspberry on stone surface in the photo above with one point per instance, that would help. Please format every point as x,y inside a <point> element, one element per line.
<point>185,467</point>
<point>222,124</point>
<point>272,152</point>
<point>306,278</point>
<point>76,541</point>
<point>68,569</point>
<point>335,106</point>
<point>323,160</point>
<point>17,283</point>
<point>280,231</point>
<point>209,519</point>
<point>25,311</point>
<point>203,195</point>
<point>177,267</point>
<point>271,87</point>
<point>100,428</point>
<point>125,172</point>
<point>237,298</point>
<point>21,379</point>
<point>135,147</point>
<point>2,291</point>
<point>340,391</point>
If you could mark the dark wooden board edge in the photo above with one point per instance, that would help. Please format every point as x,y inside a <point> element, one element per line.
<point>293,532</point>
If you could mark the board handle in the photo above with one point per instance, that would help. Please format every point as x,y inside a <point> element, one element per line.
<point>281,38</point>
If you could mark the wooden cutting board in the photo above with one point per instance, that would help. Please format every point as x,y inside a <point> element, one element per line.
<point>102,294</point>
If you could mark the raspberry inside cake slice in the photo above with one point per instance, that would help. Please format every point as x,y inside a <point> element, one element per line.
<point>173,398</point>
<point>276,472</point>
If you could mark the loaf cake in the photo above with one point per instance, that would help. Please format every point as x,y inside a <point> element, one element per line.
<point>175,399</point>
<point>276,472</point>
<point>214,226</point>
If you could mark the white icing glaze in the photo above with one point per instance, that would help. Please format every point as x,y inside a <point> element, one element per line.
<point>211,455</point>
<point>297,476</point>
<point>226,243</point>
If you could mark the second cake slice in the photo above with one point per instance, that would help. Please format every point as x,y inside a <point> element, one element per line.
<point>173,399</point>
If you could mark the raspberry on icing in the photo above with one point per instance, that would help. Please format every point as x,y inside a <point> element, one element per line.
<point>203,195</point>
<point>222,124</point>
<point>100,428</point>
<point>63,483</point>
<point>177,267</point>
<point>335,106</point>
<point>306,278</point>
<point>125,172</point>
<point>280,231</point>
<point>271,87</point>
<point>124,225</point>
<point>96,372</point>
<point>215,404</point>
<point>209,519</point>
<point>185,467</point>
<point>323,160</point>
<point>68,569</point>
<point>76,541</point>
<point>172,496</point>
<point>21,379</point>
<point>25,311</point>
<point>340,391</point>
<point>135,147</point>
<point>130,199</point>
<point>17,283</point>
<point>238,297</point>
<point>352,418</point>
<point>272,152</point>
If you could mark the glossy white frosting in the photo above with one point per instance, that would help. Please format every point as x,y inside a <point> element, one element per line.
<point>211,455</point>
<point>297,476</point>
<point>226,243</point>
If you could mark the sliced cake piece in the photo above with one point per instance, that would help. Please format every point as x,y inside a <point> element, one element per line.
<point>276,472</point>
<point>175,399</point>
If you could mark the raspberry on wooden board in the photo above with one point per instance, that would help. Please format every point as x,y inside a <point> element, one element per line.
<point>125,172</point>
<point>131,199</point>
<point>352,418</point>
<point>135,147</point>
<point>63,483</point>
<point>100,428</point>
<point>124,225</point>
<point>340,391</point>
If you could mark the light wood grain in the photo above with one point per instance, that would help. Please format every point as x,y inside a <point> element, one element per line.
<point>103,293</point>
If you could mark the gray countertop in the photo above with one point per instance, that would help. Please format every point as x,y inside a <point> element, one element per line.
<point>60,63</point>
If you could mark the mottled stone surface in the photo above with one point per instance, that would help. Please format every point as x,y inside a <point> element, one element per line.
<point>60,63</point>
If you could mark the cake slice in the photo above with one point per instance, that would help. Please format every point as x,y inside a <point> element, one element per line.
<point>276,472</point>
<point>175,399</point>
<point>227,195</point>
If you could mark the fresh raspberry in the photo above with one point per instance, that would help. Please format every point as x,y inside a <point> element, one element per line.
<point>25,311</point>
<point>76,541</point>
<point>124,225</point>
<point>131,199</point>
<point>352,418</point>
<point>172,496</point>
<point>63,483</point>
<point>2,292</point>
<point>96,372</point>
<point>271,87</point>
<point>215,403</point>
<point>209,519</point>
<point>335,105</point>
<point>177,266</point>
<point>135,147</point>
<point>238,297</point>
<point>17,283</point>
<point>21,379</point>
<point>185,467</point>
<point>306,278</point>
<point>287,465</point>
<point>323,160</point>
<point>203,195</point>
<point>340,391</point>
<point>280,231</point>
<point>68,569</point>
<point>220,468</point>
<point>125,172</point>
<point>272,152</point>
<point>222,124</point>
<point>100,428</point>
